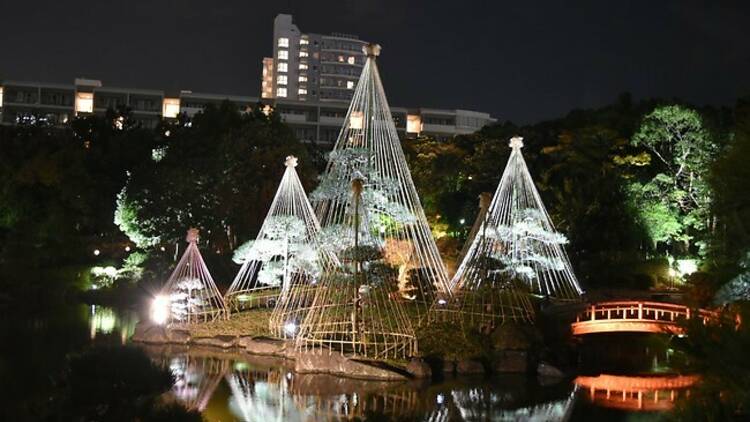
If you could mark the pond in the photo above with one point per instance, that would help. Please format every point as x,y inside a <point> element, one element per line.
<point>225,386</point>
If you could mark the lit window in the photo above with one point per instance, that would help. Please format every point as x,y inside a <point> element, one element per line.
<point>413,123</point>
<point>170,107</point>
<point>350,84</point>
<point>303,66</point>
<point>304,41</point>
<point>302,91</point>
<point>281,80</point>
<point>350,60</point>
<point>357,120</point>
<point>283,66</point>
<point>303,78</point>
<point>341,59</point>
<point>303,53</point>
<point>281,92</point>
<point>283,42</point>
<point>84,102</point>
<point>283,54</point>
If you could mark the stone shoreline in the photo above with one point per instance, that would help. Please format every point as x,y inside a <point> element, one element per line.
<point>331,363</point>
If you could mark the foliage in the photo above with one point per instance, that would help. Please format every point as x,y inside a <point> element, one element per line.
<point>718,352</point>
<point>675,202</point>
<point>212,177</point>
<point>738,288</point>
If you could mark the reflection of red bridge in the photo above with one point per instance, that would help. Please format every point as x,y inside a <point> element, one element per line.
<point>634,316</point>
<point>647,393</point>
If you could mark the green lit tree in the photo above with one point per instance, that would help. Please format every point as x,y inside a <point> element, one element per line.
<point>674,202</point>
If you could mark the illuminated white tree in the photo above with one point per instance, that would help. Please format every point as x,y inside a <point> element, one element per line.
<point>190,294</point>
<point>368,148</point>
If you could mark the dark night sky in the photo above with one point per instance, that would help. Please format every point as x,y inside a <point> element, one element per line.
<point>520,60</point>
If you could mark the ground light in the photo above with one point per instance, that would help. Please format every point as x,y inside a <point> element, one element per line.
<point>160,309</point>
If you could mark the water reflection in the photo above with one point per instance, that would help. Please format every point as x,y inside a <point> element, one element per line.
<point>104,320</point>
<point>636,393</point>
<point>228,386</point>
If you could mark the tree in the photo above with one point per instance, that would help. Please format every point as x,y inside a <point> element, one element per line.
<point>675,201</point>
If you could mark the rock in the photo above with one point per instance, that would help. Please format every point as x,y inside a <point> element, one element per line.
<point>224,342</point>
<point>336,364</point>
<point>418,368</point>
<point>261,346</point>
<point>515,361</point>
<point>546,370</point>
<point>146,332</point>
<point>178,336</point>
<point>466,367</point>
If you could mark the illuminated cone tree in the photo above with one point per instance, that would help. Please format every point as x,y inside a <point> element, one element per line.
<point>368,145</point>
<point>190,295</point>
<point>357,308</point>
<point>517,244</point>
<point>284,254</point>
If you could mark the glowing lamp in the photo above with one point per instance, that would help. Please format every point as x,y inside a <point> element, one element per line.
<point>686,266</point>
<point>160,309</point>
<point>96,252</point>
<point>290,328</point>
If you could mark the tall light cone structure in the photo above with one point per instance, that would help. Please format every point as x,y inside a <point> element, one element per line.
<point>284,256</point>
<point>190,295</point>
<point>519,239</point>
<point>357,310</point>
<point>368,145</point>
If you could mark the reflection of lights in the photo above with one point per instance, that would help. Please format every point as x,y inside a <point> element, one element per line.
<point>102,320</point>
<point>440,398</point>
<point>96,252</point>
<point>290,328</point>
<point>160,309</point>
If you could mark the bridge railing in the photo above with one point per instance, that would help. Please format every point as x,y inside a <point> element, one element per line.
<point>642,311</point>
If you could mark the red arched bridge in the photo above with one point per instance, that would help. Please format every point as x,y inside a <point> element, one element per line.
<point>641,393</point>
<point>635,317</point>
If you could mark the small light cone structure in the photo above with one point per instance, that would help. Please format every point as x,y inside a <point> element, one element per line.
<point>357,308</point>
<point>368,145</point>
<point>280,267</point>
<point>484,295</point>
<point>518,243</point>
<point>190,295</point>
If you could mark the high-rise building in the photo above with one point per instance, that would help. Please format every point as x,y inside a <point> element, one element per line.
<point>311,67</point>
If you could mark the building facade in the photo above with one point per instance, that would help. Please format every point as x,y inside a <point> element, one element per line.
<point>312,121</point>
<point>311,67</point>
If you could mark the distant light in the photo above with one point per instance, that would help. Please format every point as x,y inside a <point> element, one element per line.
<point>127,248</point>
<point>470,178</point>
<point>96,252</point>
<point>290,328</point>
<point>440,398</point>
<point>462,221</point>
<point>288,375</point>
<point>441,302</point>
<point>162,249</point>
<point>160,309</point>
<point>687,266</point>
<point>243,298</point>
